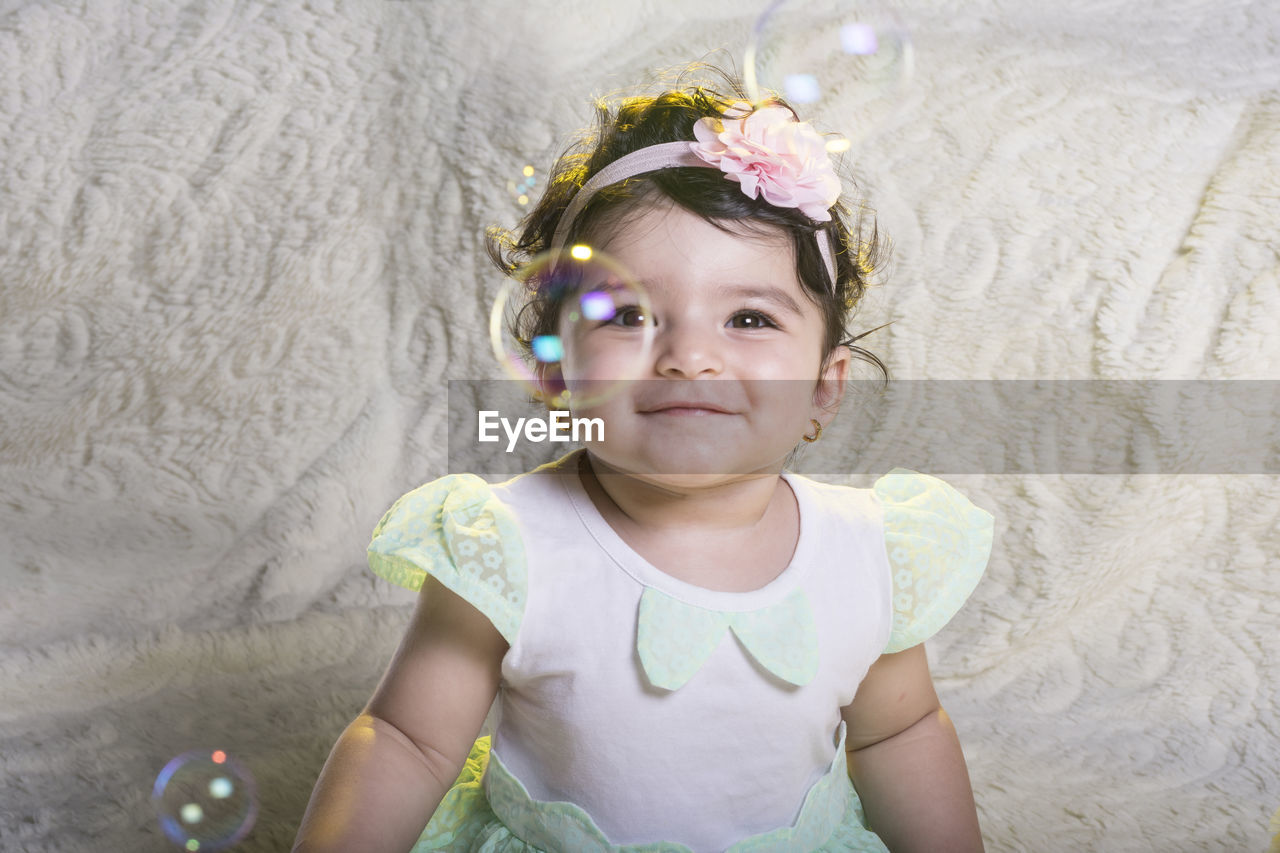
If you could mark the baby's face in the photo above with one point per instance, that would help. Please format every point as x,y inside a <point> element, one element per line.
<point>724,306</point>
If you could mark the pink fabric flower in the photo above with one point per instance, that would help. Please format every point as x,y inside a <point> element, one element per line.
<point>772,155</point>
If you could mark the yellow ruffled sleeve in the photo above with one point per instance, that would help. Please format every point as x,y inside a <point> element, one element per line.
<point>457,530</point>
<point>938,544</point>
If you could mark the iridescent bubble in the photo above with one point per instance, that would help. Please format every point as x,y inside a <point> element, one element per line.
<point>521,188</point>
<point>847,62</point>
<point>596,337</point>
<point>205,800</point>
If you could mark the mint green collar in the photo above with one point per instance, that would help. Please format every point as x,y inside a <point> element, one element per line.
<point>675,639</point>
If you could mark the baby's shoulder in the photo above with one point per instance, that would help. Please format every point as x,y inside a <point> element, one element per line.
<point>938,543</point>
<point>893,497</point>
<point>832,496</point>
<point>924,506</point>
<point>931,541</point>
<point>457,529</point>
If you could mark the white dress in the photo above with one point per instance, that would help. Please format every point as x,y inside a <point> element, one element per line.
<point>640,712</point>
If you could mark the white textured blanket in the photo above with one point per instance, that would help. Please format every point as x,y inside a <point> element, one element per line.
<point>240,255</point>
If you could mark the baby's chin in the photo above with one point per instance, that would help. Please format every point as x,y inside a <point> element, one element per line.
<point>692,483</point>
<point>685,472</point>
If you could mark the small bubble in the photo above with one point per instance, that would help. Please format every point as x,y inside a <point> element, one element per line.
<point>205,800</point>
<point>521,188</point>
<point>580,356</point>
<point>852,61</point>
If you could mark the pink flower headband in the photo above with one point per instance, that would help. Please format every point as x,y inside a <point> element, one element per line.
<point>767,151</point>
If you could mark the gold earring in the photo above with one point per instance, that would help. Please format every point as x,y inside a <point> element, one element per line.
<point>817,431</point>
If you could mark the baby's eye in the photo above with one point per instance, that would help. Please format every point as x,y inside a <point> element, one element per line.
<point>752,320</point>
<point>628,315</point>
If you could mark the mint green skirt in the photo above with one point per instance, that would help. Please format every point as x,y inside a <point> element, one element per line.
<point>488,810</point>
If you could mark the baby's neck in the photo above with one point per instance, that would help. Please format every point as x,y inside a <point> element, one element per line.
<point>735,537</point>
<point>681,504</point>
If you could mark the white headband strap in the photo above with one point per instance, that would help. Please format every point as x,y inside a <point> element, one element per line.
<point>665,155</point>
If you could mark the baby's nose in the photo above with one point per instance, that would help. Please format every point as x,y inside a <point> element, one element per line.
<point>685,351</point>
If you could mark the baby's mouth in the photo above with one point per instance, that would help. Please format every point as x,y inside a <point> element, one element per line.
<point>686,409</point>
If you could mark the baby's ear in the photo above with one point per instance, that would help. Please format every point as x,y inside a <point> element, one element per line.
<point>829,390</point>
<point>549,382</point>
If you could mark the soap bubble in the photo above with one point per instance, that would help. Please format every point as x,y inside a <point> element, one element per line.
<point>845,62</point>
<point>521,188</point>
<point>603,337</point>
<point>206,800</point>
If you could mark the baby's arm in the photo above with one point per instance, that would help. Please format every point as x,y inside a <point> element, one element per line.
<point>394,763</point>
<point>905,760</point>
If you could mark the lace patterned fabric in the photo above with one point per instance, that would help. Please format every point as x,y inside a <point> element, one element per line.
<point>457,530</point>
<point>938,545</point>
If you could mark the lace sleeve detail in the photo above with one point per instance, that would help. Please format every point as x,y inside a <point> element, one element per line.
<point>457,530</point>
<point>938,544</point>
